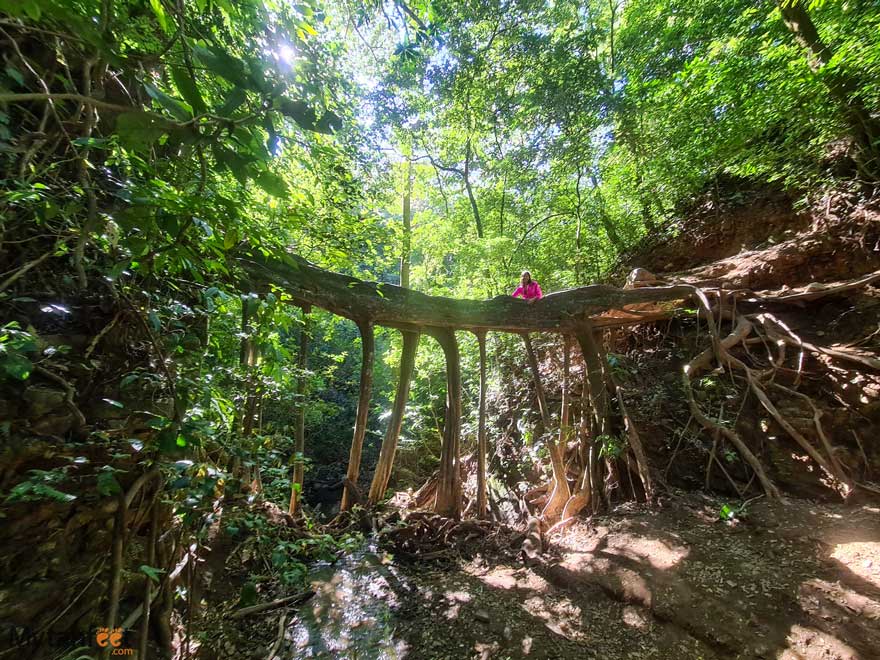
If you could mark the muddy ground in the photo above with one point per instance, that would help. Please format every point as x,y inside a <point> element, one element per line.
<point>795,580</point>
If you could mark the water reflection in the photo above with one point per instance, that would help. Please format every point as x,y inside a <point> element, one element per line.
<point>351,613</point>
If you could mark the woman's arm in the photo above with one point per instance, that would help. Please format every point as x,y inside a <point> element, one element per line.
<point>519,291</point>
<point>540,293</point>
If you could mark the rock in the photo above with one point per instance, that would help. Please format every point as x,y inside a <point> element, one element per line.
<point>42,400</point>
<point>55,425</point>
<point>482,616</point>
<point>640,277</point>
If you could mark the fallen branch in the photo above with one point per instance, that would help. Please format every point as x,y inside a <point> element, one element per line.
<point>273,605</point>
<point>279,638</point>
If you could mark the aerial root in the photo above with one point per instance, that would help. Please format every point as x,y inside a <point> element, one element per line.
<point>758,382</point>
<point>745,330</point>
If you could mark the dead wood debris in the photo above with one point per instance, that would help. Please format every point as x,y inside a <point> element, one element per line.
<point>421,535</point>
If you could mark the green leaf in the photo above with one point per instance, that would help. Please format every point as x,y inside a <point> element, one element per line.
<point>161,17</point>
<point>188,89</point>
<point>17,367</point>
<point>107,483</point>
<point>230,240</point>
<point>177,108</point>
<point>236,163</point>
<point>92,143</point>
<point>167,440</point>
<point>151,572</point>
<point>272,184</point>
<point>299,111</point>
<point>140,130</point>
<point>329,123</point>
<point>15,75</point>
<point>233,101</point>
<point>32,9</point>
<point>222,63</point>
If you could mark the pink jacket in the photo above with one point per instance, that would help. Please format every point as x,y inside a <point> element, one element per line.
<point>531,290</point>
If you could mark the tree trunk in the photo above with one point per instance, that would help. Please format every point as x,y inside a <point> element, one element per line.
<point>253,395</point>
<point>407,229</point>
<point>864,128</point>
<point>240,422</point>
<point>539,386</point>
<point>470,193</point>
<point>578,240</point>
<point>299,445</point>
<point>482,444</point>
<point>607,222</point>
<point>596,378</point>
<point>389,444</point>
<point>560,492</point>
<point>368,345</point>
<point>392,306</point>
<point>448,501</point>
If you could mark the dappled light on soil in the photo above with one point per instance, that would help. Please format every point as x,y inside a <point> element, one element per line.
<point>804,642</point>
<point>862,558</point>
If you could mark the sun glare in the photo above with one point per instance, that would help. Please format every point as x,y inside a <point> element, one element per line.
<point>286,53</point>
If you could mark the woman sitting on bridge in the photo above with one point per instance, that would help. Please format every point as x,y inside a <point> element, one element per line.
<point>528,288</point>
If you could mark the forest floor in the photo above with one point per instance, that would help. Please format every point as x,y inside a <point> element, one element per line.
<point>794,580</point>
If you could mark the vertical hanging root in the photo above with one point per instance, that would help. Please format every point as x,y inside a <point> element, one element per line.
<point>300,437</point>
<point>368,346</point>
<point>586,486</point>
<point>560,492</point>
<point>482,444</point>
<point>148,583</point>
<point>448,500</point>
<point>539,385</point>
<point>635,443</point>
<point>389,444</point>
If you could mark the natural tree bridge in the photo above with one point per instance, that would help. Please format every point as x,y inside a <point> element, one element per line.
<point>574,313</point>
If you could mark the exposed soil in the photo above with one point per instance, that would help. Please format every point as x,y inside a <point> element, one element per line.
<point>799,580</point>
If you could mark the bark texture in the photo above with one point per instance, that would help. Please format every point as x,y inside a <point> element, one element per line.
<point>448,501</point>
<point>299,447</point>
<point>368,346</point>
<point>389,444</point>
<point>393,306</point>
<point>482,443</point>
